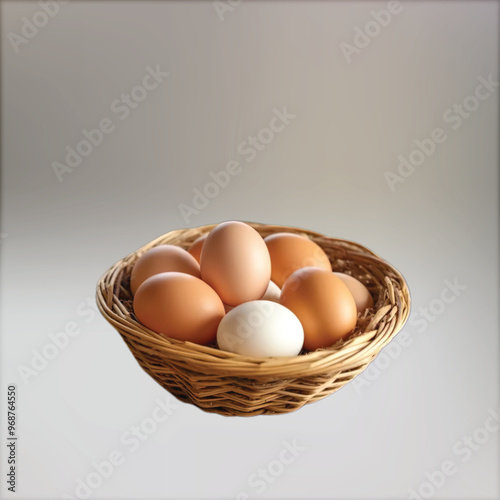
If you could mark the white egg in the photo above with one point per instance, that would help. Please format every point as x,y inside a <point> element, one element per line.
<point>261,328</point>
<point>273,292</point>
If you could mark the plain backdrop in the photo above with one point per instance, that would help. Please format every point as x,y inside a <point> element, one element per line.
<point>383,434</point>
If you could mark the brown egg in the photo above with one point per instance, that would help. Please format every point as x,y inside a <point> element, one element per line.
<point>235,263</point>
<point>179,306</point>
<point>162,259</point>
<point>290,252</point>
<point>360,293</point>
<point>197,245</point>
<point>323,304</point>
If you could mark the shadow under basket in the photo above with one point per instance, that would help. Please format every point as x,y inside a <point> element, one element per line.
<point>232,384</point>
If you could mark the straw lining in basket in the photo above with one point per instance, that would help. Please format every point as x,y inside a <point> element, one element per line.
<point>232,384</point>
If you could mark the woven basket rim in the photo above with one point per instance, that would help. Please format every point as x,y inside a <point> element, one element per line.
<point>386,322</point>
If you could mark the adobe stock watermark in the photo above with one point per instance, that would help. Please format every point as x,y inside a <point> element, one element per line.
<point>248,149</point>
<point>259,481</point>
<point>363,36</point>
<point>224,6</point>
<point>31,27</point>
<point>122,108</point>
<point>130,441</point>
<point>453,117</point>
<point>86,312</point>
<point>420,320</point>
<point>248,324</point>
<point>463,450</point>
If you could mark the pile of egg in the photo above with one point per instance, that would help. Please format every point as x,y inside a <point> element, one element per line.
<point>272,296</point>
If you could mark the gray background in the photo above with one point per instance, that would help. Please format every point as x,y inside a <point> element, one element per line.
<point>324,172</point>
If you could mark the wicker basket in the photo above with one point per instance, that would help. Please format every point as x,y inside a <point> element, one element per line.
<point>232,384</point>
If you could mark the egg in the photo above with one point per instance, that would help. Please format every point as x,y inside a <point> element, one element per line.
<point>360,293</point>
<point>272,293</point>
<point>260,328</point>
<point>323,304</point>
<point>290,252</point>
<point>235,263</point>
<point>196,246</point>
<point>161,259</point>
<point>179,306</point>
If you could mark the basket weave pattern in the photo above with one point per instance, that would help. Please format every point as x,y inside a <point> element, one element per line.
<point>231,384</point>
